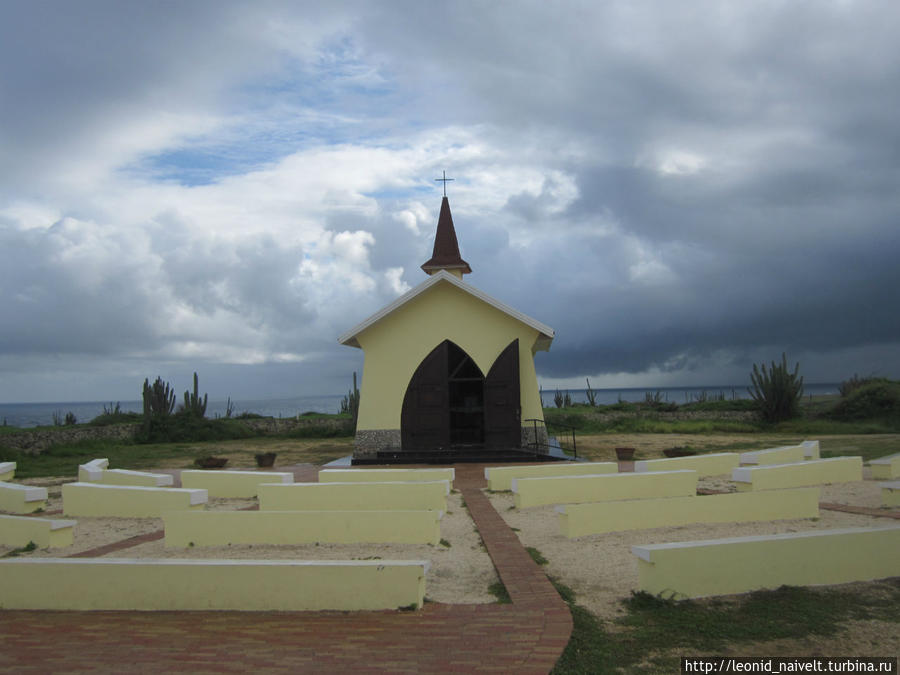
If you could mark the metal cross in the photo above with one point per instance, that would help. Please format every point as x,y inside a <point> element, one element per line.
<point>444,180</point>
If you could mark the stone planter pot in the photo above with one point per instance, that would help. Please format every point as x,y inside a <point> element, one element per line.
<point>624,454</point>
<point>265,459</point>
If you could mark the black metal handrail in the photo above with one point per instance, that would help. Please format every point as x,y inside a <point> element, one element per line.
<point>537,445</point>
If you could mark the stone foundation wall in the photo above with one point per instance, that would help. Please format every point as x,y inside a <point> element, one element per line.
<point>529,437</point>
<point>370,441</point>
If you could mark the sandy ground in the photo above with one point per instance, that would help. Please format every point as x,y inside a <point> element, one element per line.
<point>600,568</point>
<point>460,573</point>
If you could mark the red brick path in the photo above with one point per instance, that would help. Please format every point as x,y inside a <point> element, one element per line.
<point>526,636</point>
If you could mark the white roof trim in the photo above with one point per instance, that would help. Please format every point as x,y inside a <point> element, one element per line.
<point>349,338</point>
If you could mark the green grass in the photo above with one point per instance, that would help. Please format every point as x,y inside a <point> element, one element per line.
<point>15,553</point>
<point>537,556</point>
<point>498,590</point>
<point>655,632</point>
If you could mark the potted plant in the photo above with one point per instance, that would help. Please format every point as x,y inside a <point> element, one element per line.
<point>265,459</point>
<point>624,454</point>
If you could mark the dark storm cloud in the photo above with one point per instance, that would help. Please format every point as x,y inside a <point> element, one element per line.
<point>668,185</point>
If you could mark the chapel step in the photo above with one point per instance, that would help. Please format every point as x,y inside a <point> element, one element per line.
<point>457,455</point>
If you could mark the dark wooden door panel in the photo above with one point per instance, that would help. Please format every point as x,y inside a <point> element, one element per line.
<point>425,418</point>
<point>502,412</point>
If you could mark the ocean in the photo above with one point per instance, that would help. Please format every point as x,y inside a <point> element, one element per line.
<point>43,414</point>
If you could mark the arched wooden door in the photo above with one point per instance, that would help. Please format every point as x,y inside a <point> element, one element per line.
<point>502,401</point>
<point>425,418</point>
<point>449,403</point>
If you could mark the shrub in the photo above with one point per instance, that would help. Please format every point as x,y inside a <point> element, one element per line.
<point>777,391</point>
<point>877,398</point>
<point>849,386</point>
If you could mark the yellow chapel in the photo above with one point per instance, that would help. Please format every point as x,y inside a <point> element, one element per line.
<point>448,370</point>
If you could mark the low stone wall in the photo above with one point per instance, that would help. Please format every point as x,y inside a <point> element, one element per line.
<point>35,441</point>
<point>731,415</point>
<point>38,440</point>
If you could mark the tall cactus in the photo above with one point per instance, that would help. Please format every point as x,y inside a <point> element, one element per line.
<point>777,391</point>
<point>193,404</point>
<point>159,401</point>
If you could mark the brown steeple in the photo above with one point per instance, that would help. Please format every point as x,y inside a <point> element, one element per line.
<point>446,248</point>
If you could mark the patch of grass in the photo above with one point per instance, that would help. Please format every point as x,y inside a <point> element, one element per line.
<point>63,459</point>
<point>498,590</point>
<point>15,553</point>
<point>661,629</point>
<point>322,430</point>
<point>590,650</point>
<point>537,556</point>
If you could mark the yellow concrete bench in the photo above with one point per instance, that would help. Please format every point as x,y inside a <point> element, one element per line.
<point>576,520</point>
<point>45,533</point>
<point>800,474</point>
<point>7,471</point>
<point>92,472</point>
<point>244,484</point>
<point>886,468</point>
<point>15,498</point>
<point>385,475</point>
<point>126,477</point>
<point>127,501</point>
<point>501,477</point>
<point>705,465</point>
<point>696,569</point>
<point>602,488</point>
<point>810,450</point>
<point>890,494</point>
<point>172,584</point>
<point>221,528</point>
<point>355,496</point>
<point>786,454</point>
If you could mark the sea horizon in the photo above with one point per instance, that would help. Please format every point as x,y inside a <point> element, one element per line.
<point>29,414</point>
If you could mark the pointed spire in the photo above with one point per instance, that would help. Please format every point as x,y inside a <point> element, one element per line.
<point>446,248</point>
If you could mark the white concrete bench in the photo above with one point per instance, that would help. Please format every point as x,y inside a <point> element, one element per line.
<point>127,477</point>
<point>127,501</point>
<point>92,472</point>
<point>222,528</point>
<point>786,454</point>
<point>886,468</point>
<point>45,533</point>
<point>501,477</point>
<point>800,474</point>
<point>724,566</point>
<point>386,475</point>
<point>7,471</point>
<point>16,498</point>
<point>705,465</point>
<point>577,520</point>
<point>890,494</point>
<point>237,484</point>
<point>355,496</point>
<point>610,487</point>
<point>172,584</point>
<point>810,450</point>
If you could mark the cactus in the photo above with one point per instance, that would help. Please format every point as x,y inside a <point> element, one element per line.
<point>350,403</point>
<point>193,405</point>
<point>159,401</point>
<point>777,391</point>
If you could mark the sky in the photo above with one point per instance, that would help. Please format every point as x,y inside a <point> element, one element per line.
<point>680,190</point>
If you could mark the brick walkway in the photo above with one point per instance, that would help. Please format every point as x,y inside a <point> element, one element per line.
<point>526,636</point>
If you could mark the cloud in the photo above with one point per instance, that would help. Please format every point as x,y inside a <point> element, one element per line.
<point>679,191</point>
